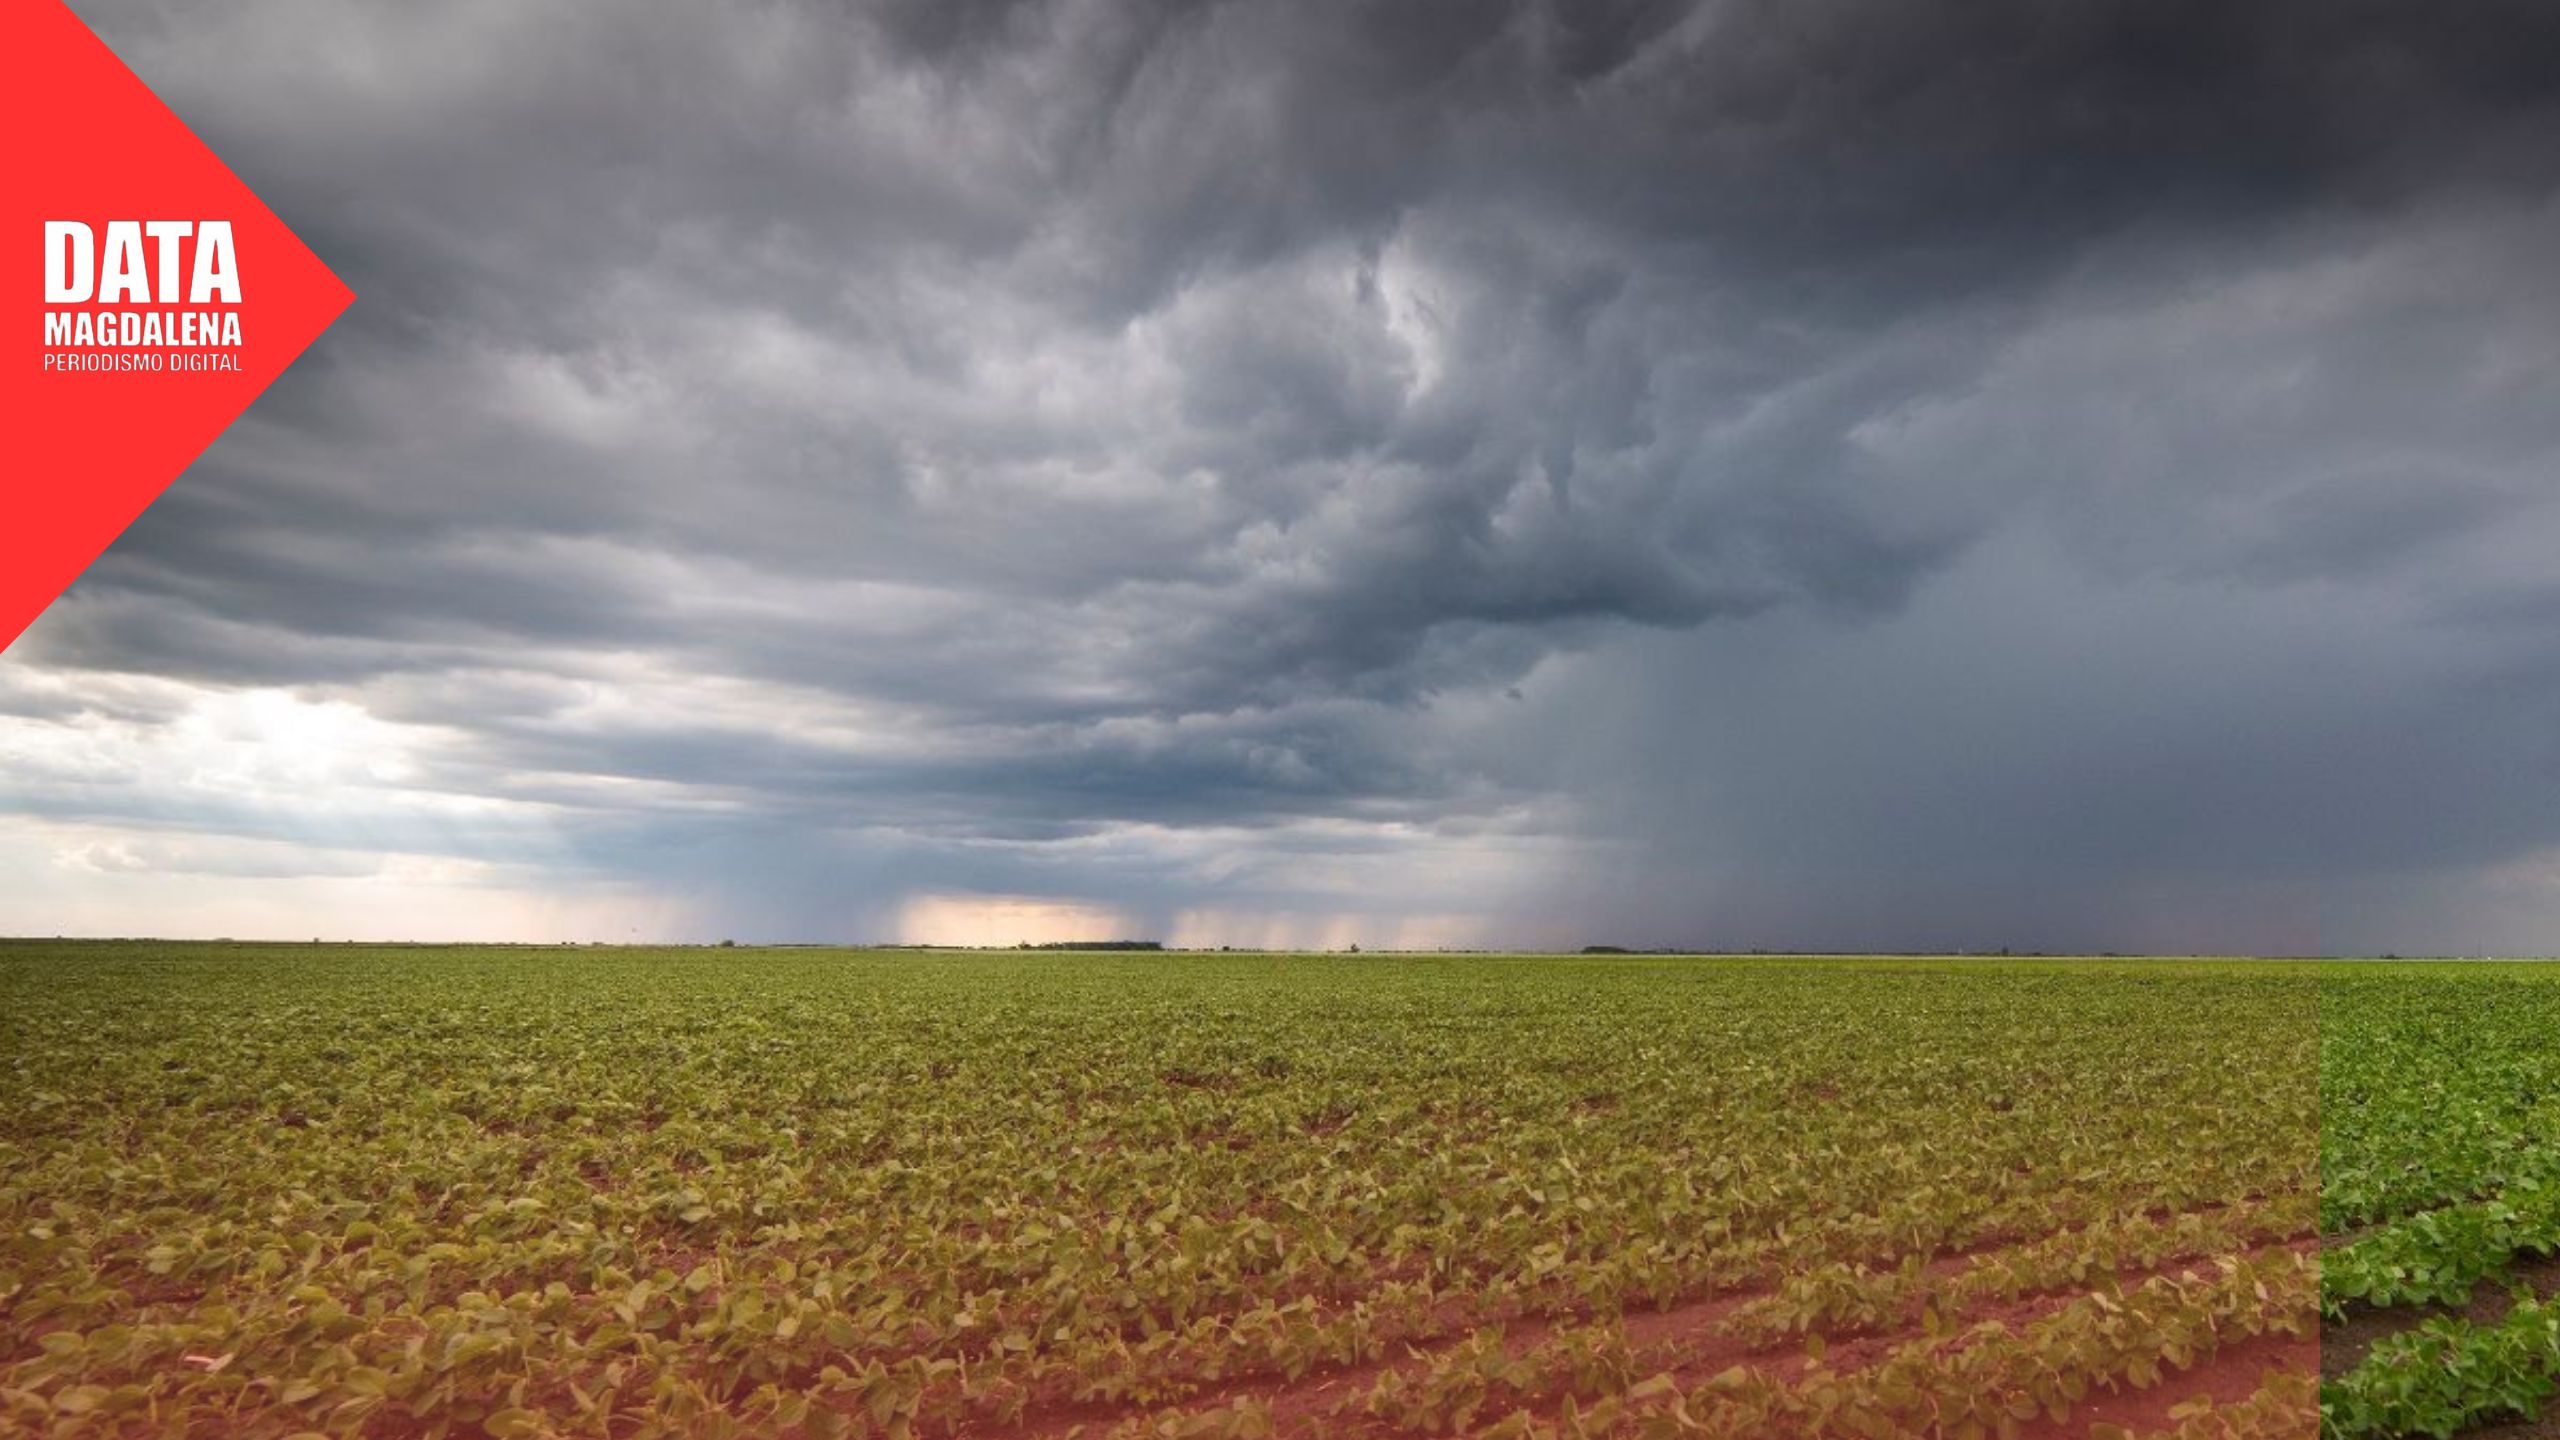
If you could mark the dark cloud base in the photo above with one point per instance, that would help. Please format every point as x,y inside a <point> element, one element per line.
<point>1806,473</point>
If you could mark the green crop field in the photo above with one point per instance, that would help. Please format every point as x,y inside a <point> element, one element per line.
<point>2440,1197</point>
<point>266,1190</point>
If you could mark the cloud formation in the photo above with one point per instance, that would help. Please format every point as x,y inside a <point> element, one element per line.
<point>1780,474</point>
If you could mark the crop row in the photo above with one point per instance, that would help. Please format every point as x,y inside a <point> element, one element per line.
<point>1988,1380</point>
<point>2446,1375</point>
<point>1991,1380</point>
<point>2285,1407</point>
<point>2437,1257</point>
<point>1844,1298</point>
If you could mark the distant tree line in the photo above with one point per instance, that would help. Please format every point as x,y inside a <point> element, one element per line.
<point>1093,945</point>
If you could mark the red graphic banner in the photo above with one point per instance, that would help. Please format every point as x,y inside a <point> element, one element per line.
<point>167,299</point>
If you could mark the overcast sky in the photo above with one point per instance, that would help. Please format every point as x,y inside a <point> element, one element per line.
<point>1764,473</point>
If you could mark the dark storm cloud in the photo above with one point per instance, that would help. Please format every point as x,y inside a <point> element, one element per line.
<point>988,425</point>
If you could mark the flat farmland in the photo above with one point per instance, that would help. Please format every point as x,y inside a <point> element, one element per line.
<point>2440,1200</point>
<point>269,1190</point>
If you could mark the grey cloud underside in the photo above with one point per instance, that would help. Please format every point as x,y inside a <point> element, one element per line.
<point>1195,416</point>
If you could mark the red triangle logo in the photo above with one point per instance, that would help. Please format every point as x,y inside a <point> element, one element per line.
<point>169,298</point>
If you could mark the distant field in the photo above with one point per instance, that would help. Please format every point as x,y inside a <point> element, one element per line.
<point>2440,1200</point>
<point>261,1190</point>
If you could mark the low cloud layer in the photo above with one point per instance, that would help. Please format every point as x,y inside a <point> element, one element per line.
<point>1831,474</point>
